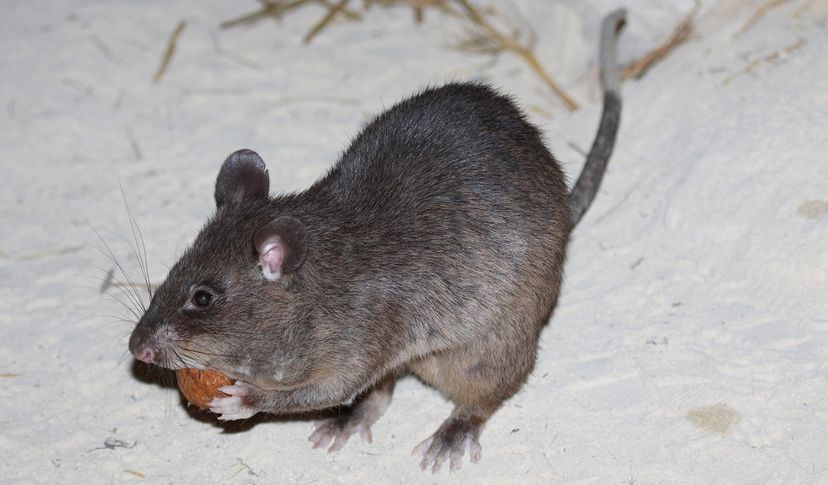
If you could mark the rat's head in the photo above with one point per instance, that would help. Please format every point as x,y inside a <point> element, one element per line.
<point>231,303</point>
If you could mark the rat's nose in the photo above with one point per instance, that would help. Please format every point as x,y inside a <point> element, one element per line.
<point>146,354</point>
<point>142,344</point>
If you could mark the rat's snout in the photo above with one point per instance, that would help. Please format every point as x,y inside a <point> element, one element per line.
<point>143,345</point>
<point>146,342</point>
<point>146,354</point>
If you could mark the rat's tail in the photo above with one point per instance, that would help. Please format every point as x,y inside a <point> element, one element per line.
<point>596,162</point>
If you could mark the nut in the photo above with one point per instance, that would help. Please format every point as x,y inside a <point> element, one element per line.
<point>201,386</point>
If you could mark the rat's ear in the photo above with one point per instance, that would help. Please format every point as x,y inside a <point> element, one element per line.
<point>242,176</point>
<point>281,247</point>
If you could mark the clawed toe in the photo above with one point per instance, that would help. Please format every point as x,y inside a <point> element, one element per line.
<point>336,433</point>
<point>233,406</point>
<point>436,452</point>
<point>333,433</point>
<point>450,443</point>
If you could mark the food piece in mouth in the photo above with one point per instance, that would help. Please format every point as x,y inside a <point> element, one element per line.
<point>200,387</point>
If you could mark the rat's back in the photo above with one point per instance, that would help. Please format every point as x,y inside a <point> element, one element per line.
<point>451,201</point>
<point>462,137</point>
<point>449,164</point>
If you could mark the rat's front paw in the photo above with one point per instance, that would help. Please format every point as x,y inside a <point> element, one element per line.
<point>338,430</point>
<point>358,419</point>
<point>235,405</point>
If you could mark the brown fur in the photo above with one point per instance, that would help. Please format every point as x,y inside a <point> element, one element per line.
<point>435,245</point>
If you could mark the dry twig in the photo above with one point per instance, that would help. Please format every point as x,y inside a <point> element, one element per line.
<point>350,13</point>
<point>485,38</point>
<point>419,7</point>
<point>333,11</point>
<point>170,50</point>
<point>680,34</point>
<point>506,42</point>
<point>758,14</point>
<point>269,9</point>
<point>773,56</point>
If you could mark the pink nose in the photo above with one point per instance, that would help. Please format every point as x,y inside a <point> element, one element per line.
<point>146,355</point>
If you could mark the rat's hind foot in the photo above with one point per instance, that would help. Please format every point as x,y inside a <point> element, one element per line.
<point>459,433</point>
<point>358,419</point>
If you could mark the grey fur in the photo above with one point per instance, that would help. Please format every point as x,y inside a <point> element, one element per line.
<point>434,246</point>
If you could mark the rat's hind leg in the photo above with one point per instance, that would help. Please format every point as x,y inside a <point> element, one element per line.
<point>458,434</point>
<point>357,419</point>
<point>477,377</point>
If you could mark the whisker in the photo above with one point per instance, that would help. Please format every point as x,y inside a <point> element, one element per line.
<point>117,319</point>
<point>126,354</point>
<point>129,284</point>
<point>115,282</point>
<point>128,308</point>
<point>195,356</point>
<point>109,279</point>
<point>190,352</point>
<point>124,304</point>
<point>178,356</point>
<point>111,255</point>
<point>141,255</point>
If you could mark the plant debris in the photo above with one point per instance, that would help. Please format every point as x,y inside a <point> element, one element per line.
<point>112,443</point>
<point>773,56</point>
<point>324,21</point>
<point>483,36</point>
<point>244,467</point>
<point>169,51</point>
<point>490,39</point>
<point>681,33</point>
<point>758,14</point>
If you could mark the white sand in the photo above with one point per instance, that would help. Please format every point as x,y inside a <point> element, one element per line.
<point>691,339</point>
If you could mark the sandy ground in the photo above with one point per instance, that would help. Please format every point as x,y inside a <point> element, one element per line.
<point>691,339</point>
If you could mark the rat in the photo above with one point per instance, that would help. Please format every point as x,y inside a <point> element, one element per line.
<point>434,246</point>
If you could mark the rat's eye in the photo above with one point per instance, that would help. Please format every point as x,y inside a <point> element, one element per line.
<point>202,298</point>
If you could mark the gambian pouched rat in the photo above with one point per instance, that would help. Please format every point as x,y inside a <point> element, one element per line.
<point>434,246</point>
